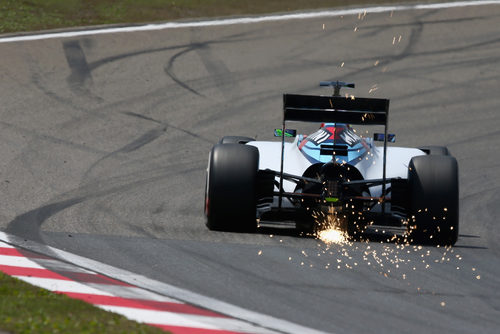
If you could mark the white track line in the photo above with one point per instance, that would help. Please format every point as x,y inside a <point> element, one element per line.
<point>58,266</point>
<point>247,20</point>
<point>62,286</point>
<point>131,292</point>
<point>252,318</point>
<point>18,261</point>
<point>185,320</point>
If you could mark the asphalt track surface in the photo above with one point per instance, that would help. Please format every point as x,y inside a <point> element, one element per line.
<point>104,143</point>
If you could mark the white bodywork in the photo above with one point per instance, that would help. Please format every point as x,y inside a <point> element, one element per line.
<point>370,167</point>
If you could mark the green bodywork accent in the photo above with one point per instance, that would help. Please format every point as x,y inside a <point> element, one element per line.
<point>288,133</point>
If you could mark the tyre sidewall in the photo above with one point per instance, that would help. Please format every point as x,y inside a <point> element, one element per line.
<point>433,184</point>
<point>231,187</point>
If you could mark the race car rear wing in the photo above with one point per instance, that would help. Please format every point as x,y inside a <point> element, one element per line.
<point>329,109</point>
<point>309,108</point>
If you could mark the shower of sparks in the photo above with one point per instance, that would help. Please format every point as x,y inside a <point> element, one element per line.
<point>361,16</point>
<point>397,39</point>
<point>331,228</point>
<point>332,236</point>
<point>395,257</point>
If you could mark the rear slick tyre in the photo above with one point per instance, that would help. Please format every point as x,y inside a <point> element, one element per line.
<point>435,150</point>
<point>433,214</point>
<point>235,140</point>
<point>230,196</point>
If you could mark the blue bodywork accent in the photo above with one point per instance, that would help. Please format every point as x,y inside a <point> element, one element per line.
<point>338,134</point>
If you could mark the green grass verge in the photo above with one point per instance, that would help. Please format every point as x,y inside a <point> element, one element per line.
<point>25,308</point>
<point>29,15</point>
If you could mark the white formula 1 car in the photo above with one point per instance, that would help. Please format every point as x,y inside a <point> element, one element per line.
<point>333,170</point>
